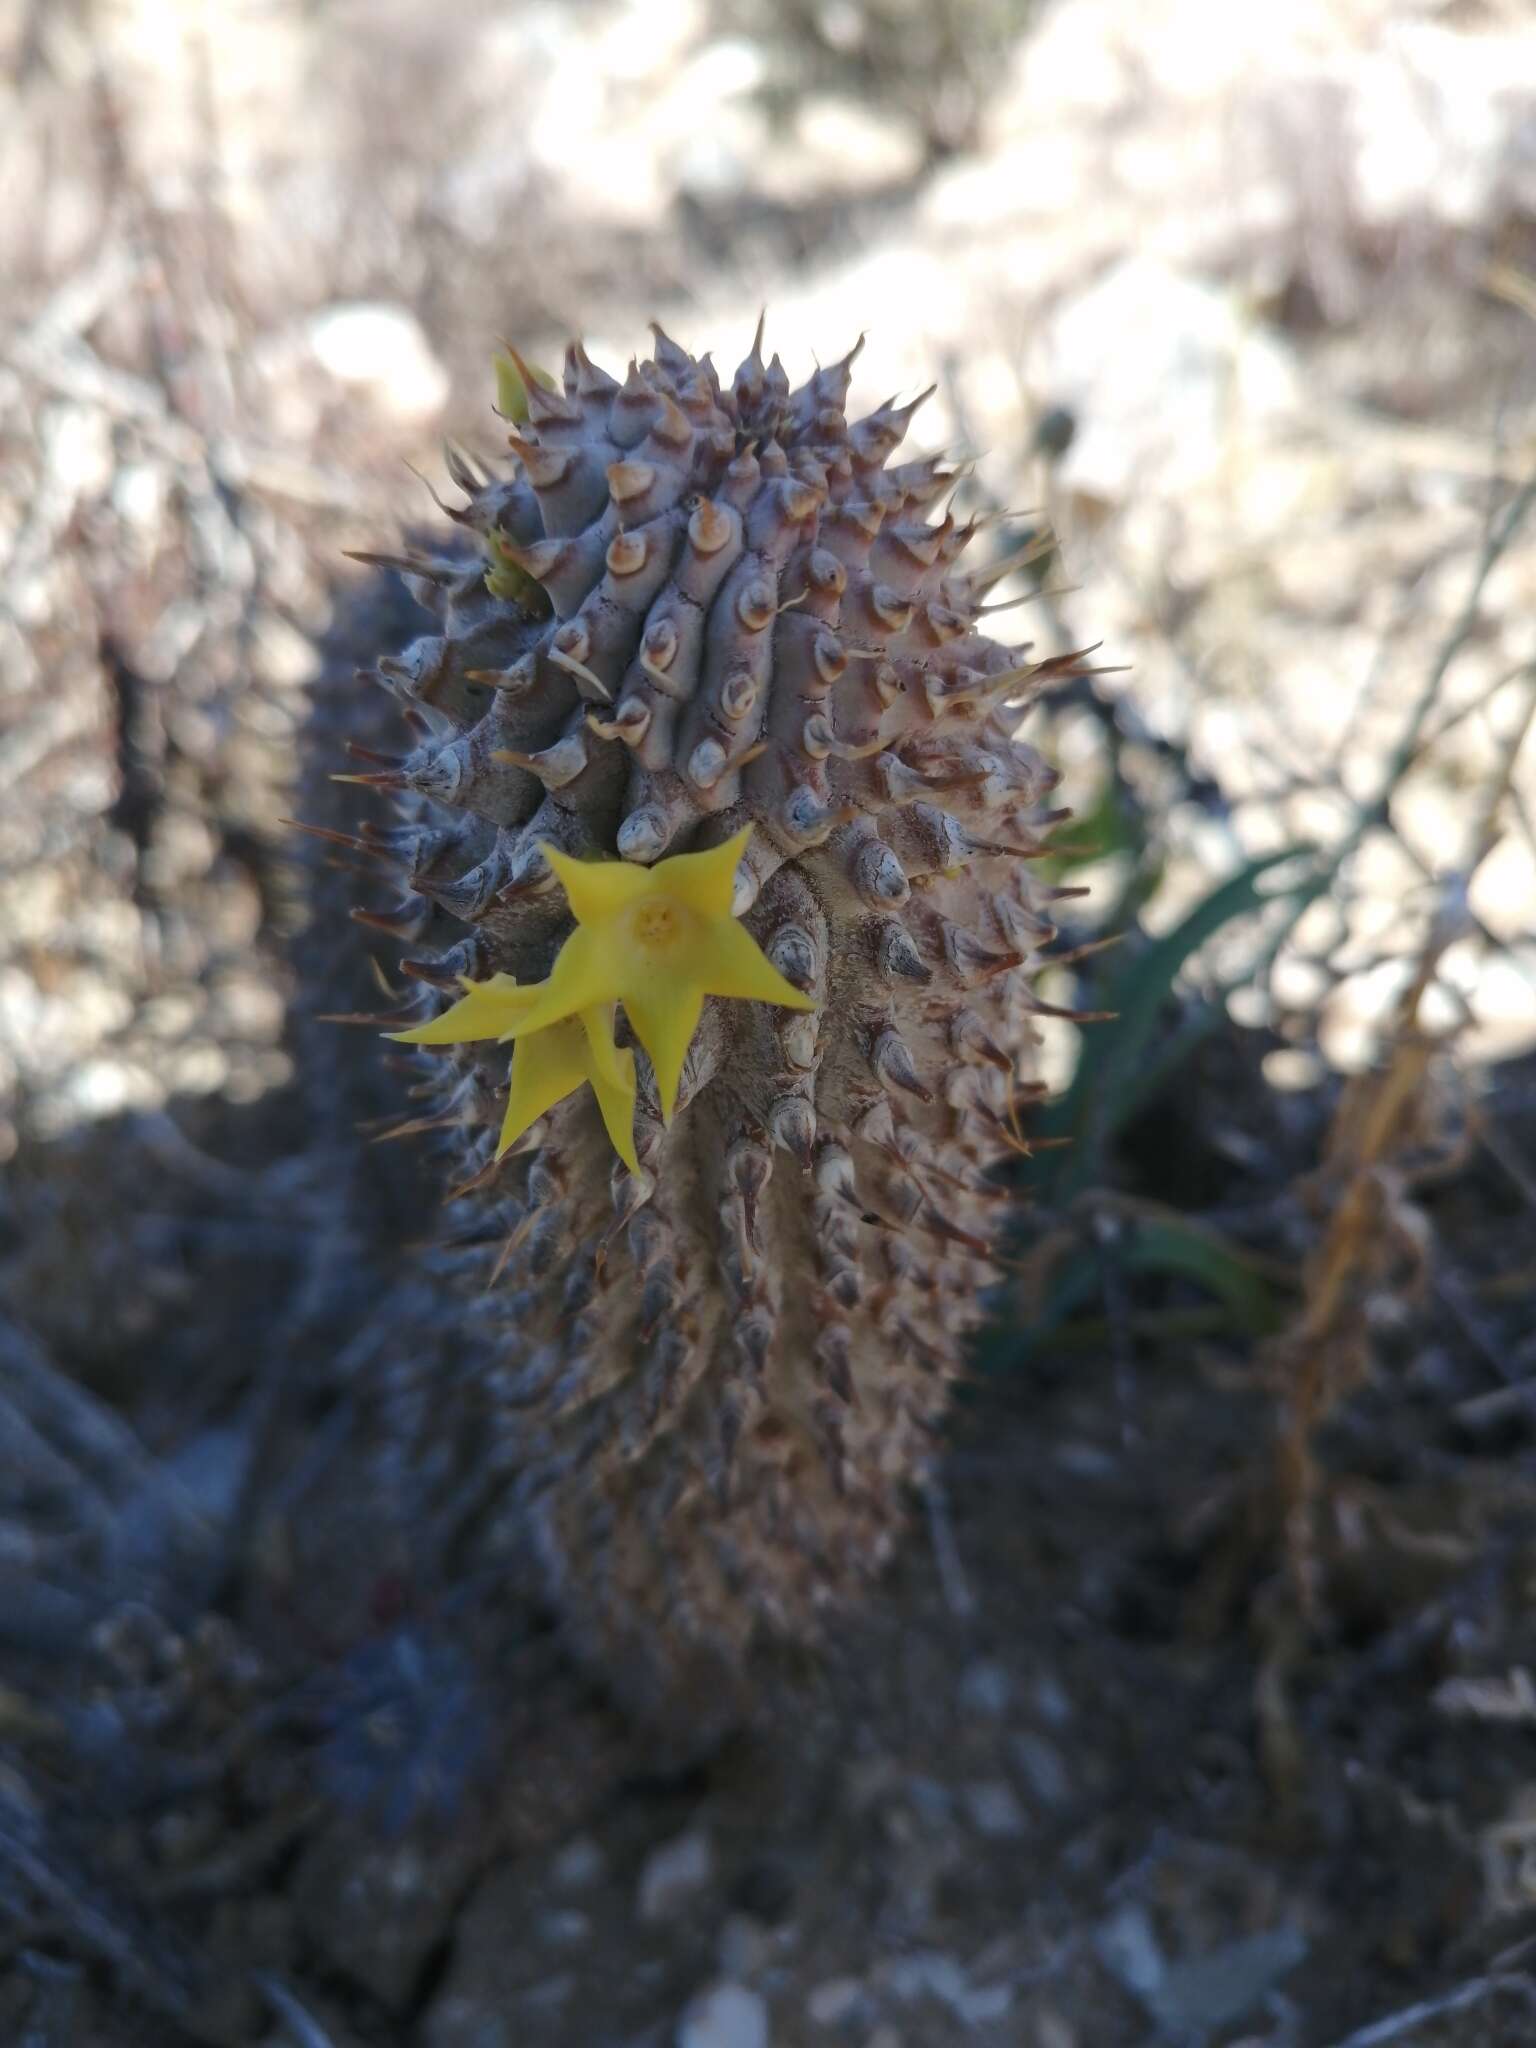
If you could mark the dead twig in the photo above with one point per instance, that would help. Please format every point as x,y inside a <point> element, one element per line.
<point>103,1927</point>
<point>1465,1998</point>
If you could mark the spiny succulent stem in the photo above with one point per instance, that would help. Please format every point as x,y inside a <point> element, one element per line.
<point>689,611</point>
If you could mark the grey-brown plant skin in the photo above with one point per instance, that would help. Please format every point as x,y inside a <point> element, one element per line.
<point>711,605</point>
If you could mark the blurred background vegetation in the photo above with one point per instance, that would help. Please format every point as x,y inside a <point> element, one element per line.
<point>1233,313</point>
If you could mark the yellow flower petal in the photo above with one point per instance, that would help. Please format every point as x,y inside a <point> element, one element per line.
<point>552,1064</point>
<point>665,1019</point>
<point>483,1011</point>
<point>545,1069</point>
<point>611,1070</point>
<point>595,889</point>
<point>706,882</point>
<point>598,1021</point>
<point>549,1064</point>
<point>586,972</point>
<point>725,960</point>
<point>656,939</point>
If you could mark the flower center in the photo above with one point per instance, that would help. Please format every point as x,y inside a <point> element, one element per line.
<point>656,924</point>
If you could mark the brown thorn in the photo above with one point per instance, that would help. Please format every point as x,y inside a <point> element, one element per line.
<point>468,472</point>
<point>498,678</point>
<point>990,846</point>
<point>395,925</point>
<point>1008,604</point>
<point>1042,544</point>
<point>579,669</point>
<point>340,866</point>
<point>439,572</point>
<point>325,832</point>
<point>1083,952</point>
<point>941,785</point>
<point>987,1048</point>
<point>459,516</point>
<point>962,1187</point>
<point>476,1180</point>
<point>1042,1008</point>
<point>432,972</point>
<point>515,1238</point>
<point>993,963</point>
<point>359,752</point>
<point>378,1020</point>
<point>531,885</point>
<point>941,1226</point>
<point>415,1127</point>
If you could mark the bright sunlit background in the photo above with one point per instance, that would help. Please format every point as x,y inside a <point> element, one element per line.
<point>1236,300</point>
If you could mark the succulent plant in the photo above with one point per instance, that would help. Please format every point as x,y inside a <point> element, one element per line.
<point>714,621</point>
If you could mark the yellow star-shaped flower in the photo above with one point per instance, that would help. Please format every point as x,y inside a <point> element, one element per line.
<point>658,940</point>
<point>547,1064</point>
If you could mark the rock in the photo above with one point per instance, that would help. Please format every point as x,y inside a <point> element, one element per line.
<point>994,1810</point>
<point>1436,125</point>
<point>835,2001</point>
<point>385,350</point>
<point>725,2016</point>
<point>985,1689</point>
<point>673,1877</point>
<point>548,1995</point>
<point>1053,1702</point>
<point>1195,1996</point>
<point>745,1945</point>
<point>1156,365</point>
<point>984,2003</point>
<point>1042,1768</point>
<point>1200,1994</point>
<point>843,143</point>
<point>376,1911</point>
<point>504,1988</point>
<point>720,158</point>
<point>563,1926</point>
<point>869,1782</point>
<point>1129,1950</point>
<point>926,1974</point>
<point>930,1800</point>
<point>931,1974</point>
<point>579,1865</point>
